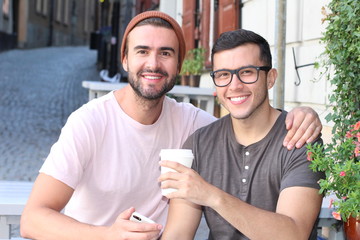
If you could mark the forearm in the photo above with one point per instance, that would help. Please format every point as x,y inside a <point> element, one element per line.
<point>45,223</point>
<point>183,220</point>
<point>254,222</point>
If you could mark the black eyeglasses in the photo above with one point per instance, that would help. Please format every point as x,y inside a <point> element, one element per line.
<point>247,75</point>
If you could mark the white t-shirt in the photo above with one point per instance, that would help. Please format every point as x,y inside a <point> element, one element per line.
<point>111,160</point>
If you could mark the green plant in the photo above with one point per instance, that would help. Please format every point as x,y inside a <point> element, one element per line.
<point>340,158</point>
<point>185,69</point>
<point>194,62</point>
<point>341,165</point>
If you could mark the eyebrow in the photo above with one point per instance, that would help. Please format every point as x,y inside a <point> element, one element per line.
<point>162,48</point>
<point>167,49</point>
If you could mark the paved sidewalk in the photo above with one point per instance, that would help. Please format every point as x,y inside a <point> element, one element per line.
<point>39,88</point>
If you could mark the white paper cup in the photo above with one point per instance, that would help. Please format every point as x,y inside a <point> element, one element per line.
<point>182,156</point>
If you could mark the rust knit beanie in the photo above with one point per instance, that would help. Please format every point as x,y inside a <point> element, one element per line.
<point>156,14</point>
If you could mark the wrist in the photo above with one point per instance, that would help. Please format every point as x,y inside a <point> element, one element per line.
<point>216,198</point>
<point>98,232</point>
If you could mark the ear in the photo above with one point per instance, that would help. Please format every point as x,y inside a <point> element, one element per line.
<point>124,63</point>
<point>271,78</point>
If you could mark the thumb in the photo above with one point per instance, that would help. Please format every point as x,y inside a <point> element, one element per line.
<point>125,215</point>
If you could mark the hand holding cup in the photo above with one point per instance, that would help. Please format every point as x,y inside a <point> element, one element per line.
<point>182,156</point>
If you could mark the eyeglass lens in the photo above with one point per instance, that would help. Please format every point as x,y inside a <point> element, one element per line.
<point>246,75</point>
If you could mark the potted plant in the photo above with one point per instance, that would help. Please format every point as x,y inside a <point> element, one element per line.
<point>340,159</point>
<point>185,72</point>
<point>340,162</point>
<point>193,66</point>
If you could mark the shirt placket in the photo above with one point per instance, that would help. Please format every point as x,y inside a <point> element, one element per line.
<point>245,170</point>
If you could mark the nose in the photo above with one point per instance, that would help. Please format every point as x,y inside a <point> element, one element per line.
<point>152,62</point>
<point>235,82</point>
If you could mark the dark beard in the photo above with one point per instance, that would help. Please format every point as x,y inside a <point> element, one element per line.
<point>150,95</point>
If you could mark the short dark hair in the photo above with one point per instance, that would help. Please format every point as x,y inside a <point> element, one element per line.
<point>236,38</point>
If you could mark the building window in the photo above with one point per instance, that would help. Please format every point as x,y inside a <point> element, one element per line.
<point>45,7</point>
<point>5,8</point>
<point>41,7</point>
<point>86,16</point>
<point>58,10</point>
<point>66,12</point>
<point>38,5</point>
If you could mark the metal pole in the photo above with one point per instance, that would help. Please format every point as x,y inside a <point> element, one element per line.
<point>114,60</point>
<point>126,14</point>
<point>280,47</point>
<point>51,24</point>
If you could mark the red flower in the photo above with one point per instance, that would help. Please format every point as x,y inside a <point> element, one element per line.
<point>357,126</point>
<point>309,156</point>
<point>342,174</point>
<point>336,215</point>
<point>348,134</point>
<point>357,151</point>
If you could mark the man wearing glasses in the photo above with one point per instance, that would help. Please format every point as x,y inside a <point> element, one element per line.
<point>248,185</point>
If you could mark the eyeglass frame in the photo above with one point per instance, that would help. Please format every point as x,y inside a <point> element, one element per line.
<point>236,72</point>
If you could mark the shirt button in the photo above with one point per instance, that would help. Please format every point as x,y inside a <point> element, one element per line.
<point>247,153</point>
<point>243,180</point>
<point>246,167</point>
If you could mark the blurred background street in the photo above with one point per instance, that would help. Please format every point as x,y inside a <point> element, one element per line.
<point>39,88</point>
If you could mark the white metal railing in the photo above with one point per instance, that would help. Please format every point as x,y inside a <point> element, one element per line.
<point>203,96</point>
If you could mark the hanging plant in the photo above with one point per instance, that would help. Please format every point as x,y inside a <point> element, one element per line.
<point>340,159</point>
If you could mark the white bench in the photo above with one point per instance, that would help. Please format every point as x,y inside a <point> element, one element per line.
<point>204,96</point>
<point>326,220</point>
<point>13,197</point>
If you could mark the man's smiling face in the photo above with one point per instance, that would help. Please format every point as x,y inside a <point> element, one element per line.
<point>242,100</point>
<point>152,60</point>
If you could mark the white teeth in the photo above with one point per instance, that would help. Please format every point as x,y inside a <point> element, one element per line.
<point>152,77</point>
<point>237,99</point>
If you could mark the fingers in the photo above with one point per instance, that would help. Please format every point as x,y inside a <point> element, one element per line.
<point>125,215</point>
<point>180,171</point>
<point>145,227</point>
<point>123,228</point>
<point>140,235</point>
<point>132,230</point>
<point>294,131</point>
<point>289,120</point>
<point>139,227</point>
<point>172,180</point>
<point>170,184</point>
<point>305,127</point>
<point>174,165</point>
<point>181,179</point>
<point>298,139</point>
<point>316,133</point>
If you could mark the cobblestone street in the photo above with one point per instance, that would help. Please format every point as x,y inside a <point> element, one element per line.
<point>39,88</point>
